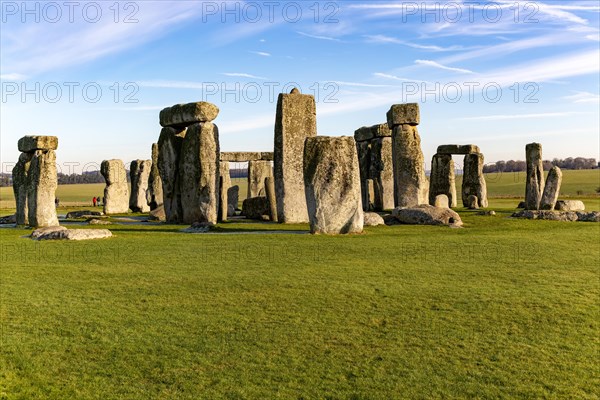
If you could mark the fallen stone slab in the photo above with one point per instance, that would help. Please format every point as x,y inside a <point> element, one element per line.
<point>158,214</point>
<point>427,215</point>
<point>458,149</point>
<point>487,212</point>
<point>569,205</point>
<point>62,233</point>
<point>29,144</point>
<point>547,215</point>
<point>256,208</point>
<point>181,115</point>
<point>199,227</point>
<point>8,220</point>
<point>373,219</point>
<point>96,221</point>
<point>403,114</point>
<point>82,214</point>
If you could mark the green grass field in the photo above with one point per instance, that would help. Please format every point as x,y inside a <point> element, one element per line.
<point>502,308</point>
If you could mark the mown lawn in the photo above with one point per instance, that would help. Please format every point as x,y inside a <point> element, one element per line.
<point>499,309</point>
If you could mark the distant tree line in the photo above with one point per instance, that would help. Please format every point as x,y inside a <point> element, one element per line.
<point>64,179</point>
<point>521,166</point>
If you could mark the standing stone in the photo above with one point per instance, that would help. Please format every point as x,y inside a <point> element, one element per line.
<point>199,173</point>
<point>258,170</point>
<point>332,184</point>
<point>224,185</point>
<point>169,154</point>
<point>534,185</point>
<point>116,192</point>
<point>42,182</point>
<point>473,180</point>
<point>271,198</point>
<point>155,190</point>
<point>139,174</point>
<point>442,179</point>
<point>295,120</point>
<point>363,150</point>
<point>441,201</point>
<point>551,189</point>
<point>411,183</point>
<point>472,202</point>
<point>382,173</point>
<point>19,176</point>
<point>233,197</point>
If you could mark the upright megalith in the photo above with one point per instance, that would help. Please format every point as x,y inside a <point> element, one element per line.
<point>332,185</point>
<point>155,190</point>
<point>19,177</point>
<point>199,173</point>
<point>271,198</point>
<point>139,174</point>
<point>258,170</point>
<point>42,182</point>
<point>363,150</point>
<point>534,184</point>
<point>224,186</point>
<point>442,179</point>
<point>382,173</point>
<point>551,189</point>
<point>169,154</point>
<point>473,180</point>
<point>295,120</point>
<point>116,192</point>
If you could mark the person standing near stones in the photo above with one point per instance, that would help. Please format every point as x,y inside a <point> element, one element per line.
<point>94,201</point>
<point>56,202</point>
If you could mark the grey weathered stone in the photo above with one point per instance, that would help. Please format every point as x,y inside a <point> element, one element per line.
<point>570,205</point>
<point>412,187</point>
<point>363,150</point>
<point>521,204</point>
<point>593,216</point>
<point>442,179</point>
<point>472,202</point>
<point>363,134</point>
<point>82,214</point>
<point>19,176</point>
<point>381,130</point>
<point>271,197</point>
<point>139,174</point>
<point>258,170</point>
<point>199,173</point>
<point>427,215</point>
<point>332,184</point>
<point>62,233</point>
<point>373,219</point>
<point>116,192</point>
<point>169,155</point>
<point>295,121</point>
<point>233,196</point>
<point>42,182</point>
<point>224,185</point>
<point>534,184</point>
<point>29,144</point>
<point>382,173</point>
<point>96,221</point>
<point>441,200</point>
<point>155,190</point>
<point>473,180</point>
<point>487,212</point>
<point>243,156</point>
<point>255,207</point>
<point>551,189</point>
<point>182,115</point>
<point>458,149</point>
<point>158,214</point>
<point>403,114</point>
<point>199,227</point>
<point>8,219</point>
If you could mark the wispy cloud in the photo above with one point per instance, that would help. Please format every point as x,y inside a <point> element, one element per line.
<point>172,84</point>
<point>389,39</point>
<point>243,75</point>
<point>397,78</point>
<point>583,97</point>
<point>261,53</point>
<point>360,84</point>
<point>13,77</point>
<point>500,117</point>
<point>319,36</point>
<point>434,64</point>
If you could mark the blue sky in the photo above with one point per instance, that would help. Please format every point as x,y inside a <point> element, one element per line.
<point>360,57</point>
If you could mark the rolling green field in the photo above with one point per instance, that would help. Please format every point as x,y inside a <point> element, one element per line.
<point>502,308</point>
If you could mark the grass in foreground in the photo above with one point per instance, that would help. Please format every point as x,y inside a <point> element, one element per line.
<point>500,309</point>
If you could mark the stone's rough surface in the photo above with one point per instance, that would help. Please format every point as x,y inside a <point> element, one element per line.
<point>570,205</point>
<point>96,221</point>
<point>363,134</point>
<point>230,210</point>
<point>82,214</point>
<point>182,115</point>
<point>472,202</point>
<point>551,189</point>
<point>412,187</point>
<point>199,173</point>
<point>42,182</point>
<point>295,121</point>
<point>233,196</point>
<point>458,149</point>
<point>243,156</point>
<point>8,220</point>
<point>271,197</point>
<point>29,144</point>
<point>403,114</point>
<point>373,219</point>
<point>332,185</point>
<point>521,204</point>
<point>258,170</point>
<point>442,179</point>
<point>224,185</point>
<point>155,190</point>
<point>158,214</point>
<point>427,215</point>
<point>62,233</point>
<point>116,192</point>
<point>382,173</point>
<point>593,216</point>
<point>363,150</point>
<point>169,154</point>
<point>19,176</point>
<point>441,201</point>
<point>534,183</point>
<point>381,130</point>
<point>199,227</point>
<point>473,180</point>
<point>139,174</point>
<point>255,207</point>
